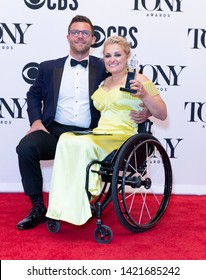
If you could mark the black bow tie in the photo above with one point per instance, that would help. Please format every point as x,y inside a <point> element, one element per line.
<point>82,62</point>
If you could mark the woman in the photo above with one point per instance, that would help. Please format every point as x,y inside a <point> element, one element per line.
<point>68,200</point>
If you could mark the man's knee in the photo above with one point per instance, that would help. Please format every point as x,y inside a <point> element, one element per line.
<point>25,147</point>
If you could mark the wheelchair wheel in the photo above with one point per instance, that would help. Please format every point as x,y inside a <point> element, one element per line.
<point>141,183</point>
<point>103,234</point>
<point>53,225</point>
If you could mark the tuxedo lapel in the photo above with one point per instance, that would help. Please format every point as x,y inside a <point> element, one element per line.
<point>93,69</point>
<point>57,76</point>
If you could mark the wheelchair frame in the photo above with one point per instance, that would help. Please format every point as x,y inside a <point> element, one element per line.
<point>137,178</point>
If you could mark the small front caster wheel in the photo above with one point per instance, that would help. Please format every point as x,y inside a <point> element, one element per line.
<point>53,225</point>
<point>103,234</point>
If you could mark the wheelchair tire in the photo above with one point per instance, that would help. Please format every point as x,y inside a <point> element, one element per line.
<point>141,183</point>
<point>103,234</point>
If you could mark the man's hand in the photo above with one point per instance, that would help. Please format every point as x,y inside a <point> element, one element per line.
<point>140,116</point>
<point>37,125</point>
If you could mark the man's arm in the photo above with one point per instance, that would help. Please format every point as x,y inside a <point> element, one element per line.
<point>140,116</point>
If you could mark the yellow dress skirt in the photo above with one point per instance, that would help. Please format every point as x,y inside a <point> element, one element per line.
<point>68,200</point>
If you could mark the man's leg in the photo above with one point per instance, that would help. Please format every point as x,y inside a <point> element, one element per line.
<point>33,148</point>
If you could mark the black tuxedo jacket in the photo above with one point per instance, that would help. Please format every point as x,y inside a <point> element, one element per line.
<point>43,95</point>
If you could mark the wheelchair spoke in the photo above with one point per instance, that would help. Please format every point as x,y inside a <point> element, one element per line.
<point>144,205</point>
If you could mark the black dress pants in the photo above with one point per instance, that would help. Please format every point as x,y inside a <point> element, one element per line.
<point>35,147</point>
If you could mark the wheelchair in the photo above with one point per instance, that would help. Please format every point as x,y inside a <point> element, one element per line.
<point>137,178</point>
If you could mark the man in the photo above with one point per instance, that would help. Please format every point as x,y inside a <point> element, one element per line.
<point>59,101</point>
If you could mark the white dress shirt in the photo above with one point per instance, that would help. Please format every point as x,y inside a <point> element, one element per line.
<point>73,103</point>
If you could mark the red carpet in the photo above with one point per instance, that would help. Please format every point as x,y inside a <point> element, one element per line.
<point>181,234</point>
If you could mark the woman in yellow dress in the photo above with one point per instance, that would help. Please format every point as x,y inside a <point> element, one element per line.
<point>68,199</point>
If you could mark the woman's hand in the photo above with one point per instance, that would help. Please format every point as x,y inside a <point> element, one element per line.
<point>139,88</point>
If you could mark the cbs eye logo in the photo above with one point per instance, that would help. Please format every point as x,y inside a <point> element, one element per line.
<point>29,72</point>
<point>51,5</point>
<point>34,4</point>
<point>100,35</point>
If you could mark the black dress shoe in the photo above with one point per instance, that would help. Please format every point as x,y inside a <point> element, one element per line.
<point>35,217</point>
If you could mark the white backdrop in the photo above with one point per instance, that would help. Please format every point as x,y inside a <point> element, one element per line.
<point>169,39</point>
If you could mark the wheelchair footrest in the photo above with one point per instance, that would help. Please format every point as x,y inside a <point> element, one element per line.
<point>99,172</point>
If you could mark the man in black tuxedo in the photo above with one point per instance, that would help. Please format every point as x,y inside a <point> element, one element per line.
<point>59,101</point>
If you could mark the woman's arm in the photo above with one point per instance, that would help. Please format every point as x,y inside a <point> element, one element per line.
<point>154,104</point>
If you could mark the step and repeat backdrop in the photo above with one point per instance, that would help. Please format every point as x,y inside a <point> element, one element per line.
<point>168,39</point>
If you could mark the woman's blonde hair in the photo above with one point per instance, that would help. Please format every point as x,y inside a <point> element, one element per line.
<point>121,41</point>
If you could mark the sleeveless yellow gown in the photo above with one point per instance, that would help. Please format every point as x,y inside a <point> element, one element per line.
<point>68,200</point>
